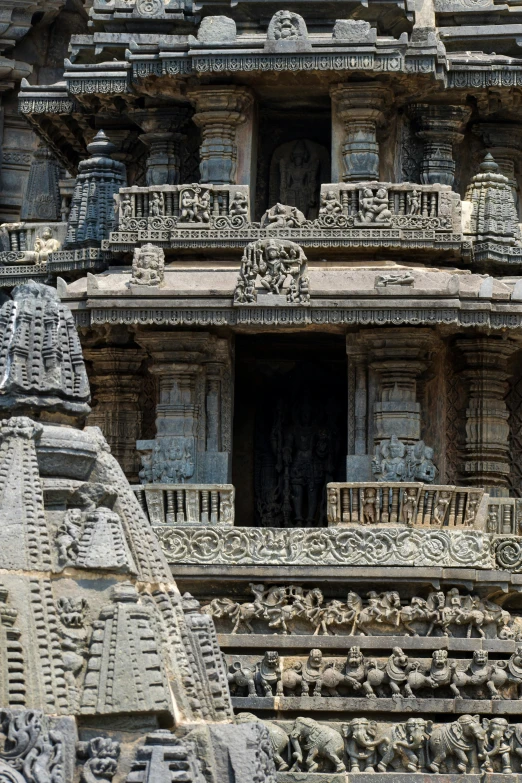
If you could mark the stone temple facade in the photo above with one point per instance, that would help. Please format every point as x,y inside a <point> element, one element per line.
<point>261,391</point>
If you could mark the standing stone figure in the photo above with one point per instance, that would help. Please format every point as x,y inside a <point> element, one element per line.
<point>299,179</point>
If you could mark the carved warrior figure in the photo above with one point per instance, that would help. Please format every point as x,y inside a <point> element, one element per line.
<point>273,261</point>
<point>148,265</point>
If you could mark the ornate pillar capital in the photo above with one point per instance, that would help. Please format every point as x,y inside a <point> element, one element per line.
<point>440,127</point>
<point>219,110</point>
<point>360,108</point>
<point>163,137</point>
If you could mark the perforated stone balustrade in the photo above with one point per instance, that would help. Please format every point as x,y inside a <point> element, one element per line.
<point>413,504</point>
<point>179,504</point>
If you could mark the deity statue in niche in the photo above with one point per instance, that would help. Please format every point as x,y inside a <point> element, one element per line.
<point>297,452</point>
<point>296,172</point>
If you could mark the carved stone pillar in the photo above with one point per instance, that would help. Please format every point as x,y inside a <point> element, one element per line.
<point>116,389</point>
<point>219,111</point>
<point>486,451</point>
<point>163,137</point>
<point>504,142</point>
<point>193,413</point>
<point>360,109</point>
<point>439,127</point>
<point>386,368</point>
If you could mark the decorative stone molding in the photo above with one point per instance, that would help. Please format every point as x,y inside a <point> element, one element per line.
<point>335,547</point>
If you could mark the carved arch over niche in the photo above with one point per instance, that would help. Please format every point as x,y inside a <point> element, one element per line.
<point>297,170</point>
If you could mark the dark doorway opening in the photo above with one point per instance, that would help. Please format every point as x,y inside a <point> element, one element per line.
<point>290,413</point>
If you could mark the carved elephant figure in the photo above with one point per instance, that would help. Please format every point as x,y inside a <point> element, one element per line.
<point>319,742</point>
<point>278,738</point>
<point>361,744</point>
<point>499,736</point>
<point>405,744</point>
<point>461,742</point>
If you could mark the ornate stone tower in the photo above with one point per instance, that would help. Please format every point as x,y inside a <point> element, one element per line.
<point>282,537</point>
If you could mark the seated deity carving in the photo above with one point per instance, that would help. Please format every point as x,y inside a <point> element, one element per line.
<point>45,245</point>
<point>273,262</point>
<point>238,205</point>
<point>330,204</point>
<point>148,265</point>
<point>394,461</point>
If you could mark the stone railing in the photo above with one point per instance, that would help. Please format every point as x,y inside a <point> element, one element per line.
<point>384,204</point>
<point>358,215</point>
<point>411,504</point>
<point>504,516</point>
<point>164,207</point>
<point>180,504</point>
